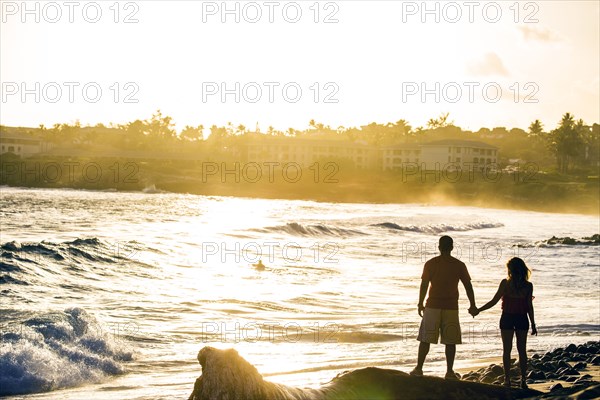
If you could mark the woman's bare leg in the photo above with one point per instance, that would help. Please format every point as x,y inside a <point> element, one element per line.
<point>522,349</point>
<point>507,338</point>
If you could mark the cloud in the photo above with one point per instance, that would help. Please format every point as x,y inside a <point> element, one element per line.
<point>490,65</point>
<point>539,34</point>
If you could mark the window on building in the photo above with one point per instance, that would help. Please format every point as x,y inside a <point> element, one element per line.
<point>11,148</point>
<point>457,159</point>
<point>489,152</point>
<point>476,151</point>
<point>449,158</point>
<point>449,149</point>
<point>489,161</point>
<point>475,160</point>
<point>458,149</point>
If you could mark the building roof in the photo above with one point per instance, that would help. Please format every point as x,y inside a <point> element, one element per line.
<point>410,146</point>
<point>302,141</point>
<point>18,135</point>
<point>461,143</point>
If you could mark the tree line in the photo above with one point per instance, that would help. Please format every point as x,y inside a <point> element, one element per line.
<point>571,146</point>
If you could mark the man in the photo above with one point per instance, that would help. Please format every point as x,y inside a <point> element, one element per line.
<point>440,314</point>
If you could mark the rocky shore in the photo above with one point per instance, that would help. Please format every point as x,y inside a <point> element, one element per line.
<point>567,372</point>
<point>563,373</point>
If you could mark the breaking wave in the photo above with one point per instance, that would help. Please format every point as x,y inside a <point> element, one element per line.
<point>439,228</point>
<point>294,228</point>
<point>54,350</point>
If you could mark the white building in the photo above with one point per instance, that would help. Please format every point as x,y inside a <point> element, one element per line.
<point>450,153</point>
<point>21,145</point>
<point>395,157</point>
<point>438,155</point>
<point>306,152</point>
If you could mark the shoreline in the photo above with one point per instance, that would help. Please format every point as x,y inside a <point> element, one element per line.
<point>589,211</point>
<point>557,374</point>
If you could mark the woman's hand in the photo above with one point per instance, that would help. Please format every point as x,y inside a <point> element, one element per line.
<point>533,330</point>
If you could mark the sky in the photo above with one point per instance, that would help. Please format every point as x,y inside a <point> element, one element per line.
<point>283,63</point>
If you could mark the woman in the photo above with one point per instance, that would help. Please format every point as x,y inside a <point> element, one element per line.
<point>517,295</point>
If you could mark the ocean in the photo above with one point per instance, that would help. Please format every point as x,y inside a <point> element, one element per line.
<point>110,295</point>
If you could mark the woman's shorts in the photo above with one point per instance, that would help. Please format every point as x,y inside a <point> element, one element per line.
<point>514,322</point>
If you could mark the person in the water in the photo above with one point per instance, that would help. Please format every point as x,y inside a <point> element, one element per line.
<point>516,293</point>
<point>259,265</point>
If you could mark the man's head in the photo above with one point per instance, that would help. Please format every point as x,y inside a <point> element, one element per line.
<point>446,244</point>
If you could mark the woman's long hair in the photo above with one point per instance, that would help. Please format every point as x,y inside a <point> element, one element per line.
<point>518,273</point>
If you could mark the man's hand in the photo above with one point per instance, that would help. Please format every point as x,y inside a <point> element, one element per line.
<point>474,311</point>
<point>421,310</point>
<point>533,330</point>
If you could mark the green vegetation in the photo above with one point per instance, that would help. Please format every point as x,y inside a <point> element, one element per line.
<point>555,171</point>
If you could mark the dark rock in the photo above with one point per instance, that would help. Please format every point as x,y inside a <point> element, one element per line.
<point>584,350</point>
<point>536,356</point>
<point>580,366</point>
<point>596,360</point>
<point>555,387</point>
<point>536,375</point>
<point>571,378</point>
<point>497,370</point>
<point>547,366</point>
<point>487,378</point>
<point>563,364</point>
<point>585,377</point>
<point>568,372</point>
<point>571,348</point>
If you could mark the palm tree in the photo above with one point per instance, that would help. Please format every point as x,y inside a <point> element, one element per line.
<point>536,128</point>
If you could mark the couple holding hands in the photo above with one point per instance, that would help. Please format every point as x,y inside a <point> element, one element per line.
<point>440,277</point>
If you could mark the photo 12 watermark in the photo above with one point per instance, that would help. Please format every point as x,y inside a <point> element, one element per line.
<point>66,172</point>
<point>471,92</point>
<point>452,12</point>
<point>252,12</point>
<point>270,92</point>
<point>70,92</point>
<point>268,172</point>
<point>488,253</point>
<point>54,12</point>
<point>123,333</point>
<point>253,252</point>
<point>273,332</point>
<point>467,167</point>
<point>98,250</point>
